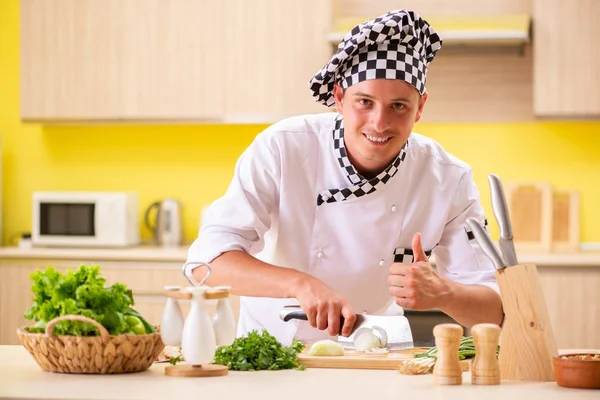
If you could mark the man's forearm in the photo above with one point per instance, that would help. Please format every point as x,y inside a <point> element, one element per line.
<point>249,276</point>
<point>472,304</point>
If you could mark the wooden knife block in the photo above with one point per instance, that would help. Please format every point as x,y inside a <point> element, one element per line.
<point>527,342</point>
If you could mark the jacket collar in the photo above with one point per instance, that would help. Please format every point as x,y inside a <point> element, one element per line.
<point>342,156</point>
<point>360,186</point>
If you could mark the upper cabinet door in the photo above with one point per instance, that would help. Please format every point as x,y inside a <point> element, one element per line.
<point>566,58</point>
<point>122,60</point>
<point>274,48</point>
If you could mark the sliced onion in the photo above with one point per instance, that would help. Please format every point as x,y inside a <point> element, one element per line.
<point>381,335</point>
<point>326,348</point>
<point>366,340</point>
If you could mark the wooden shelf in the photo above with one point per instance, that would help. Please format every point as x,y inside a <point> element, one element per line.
<point>502,30</point>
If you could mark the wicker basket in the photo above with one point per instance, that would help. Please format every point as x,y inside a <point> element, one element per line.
<point>104,354</point>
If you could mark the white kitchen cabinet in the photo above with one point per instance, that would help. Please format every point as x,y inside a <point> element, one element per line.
<point>571,285</point>
<point>122,60</point>
<point>572,295</point>
<point>566,68</point>
<point>274,48</point>
<point>173,61</point>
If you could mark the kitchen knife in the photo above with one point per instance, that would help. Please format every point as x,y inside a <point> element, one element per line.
<point>486,243</point>
<point>500,207</point>
<point>396,327</point>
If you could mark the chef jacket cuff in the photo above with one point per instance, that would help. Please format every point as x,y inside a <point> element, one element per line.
<point>204,251</point>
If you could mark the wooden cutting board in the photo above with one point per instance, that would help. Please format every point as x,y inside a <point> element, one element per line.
<point>565,222</point>
<point>530,208</point>
<point>359,360</point>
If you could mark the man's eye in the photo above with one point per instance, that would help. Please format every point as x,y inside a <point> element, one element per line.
<point>364,102</point>
<point>398,106</point>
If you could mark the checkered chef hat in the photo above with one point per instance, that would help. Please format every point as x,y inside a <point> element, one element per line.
<point>395,45</point>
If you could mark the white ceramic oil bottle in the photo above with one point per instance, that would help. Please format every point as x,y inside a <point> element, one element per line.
<point>224,320</point>
<point>198,342</point>
<point>172,321</point>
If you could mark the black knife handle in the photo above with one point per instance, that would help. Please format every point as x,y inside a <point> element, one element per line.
<point>290,313</point>
<point>295,315</point>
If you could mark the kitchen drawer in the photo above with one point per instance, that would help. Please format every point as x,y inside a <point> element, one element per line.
<point>140,276</point>
<point>145,280</point>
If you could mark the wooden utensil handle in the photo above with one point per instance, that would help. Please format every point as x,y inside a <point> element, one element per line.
<point>210,295</point>
<point>178,295</point>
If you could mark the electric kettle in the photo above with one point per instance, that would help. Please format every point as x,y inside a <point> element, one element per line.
<point>167,224</point>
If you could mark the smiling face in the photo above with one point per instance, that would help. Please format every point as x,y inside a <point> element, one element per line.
<point>379,115</point>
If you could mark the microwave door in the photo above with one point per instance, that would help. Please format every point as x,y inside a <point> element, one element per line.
<point>67,219</point>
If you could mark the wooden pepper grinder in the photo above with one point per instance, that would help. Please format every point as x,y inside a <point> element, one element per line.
<point>447,369</point>
<point>485,369</point>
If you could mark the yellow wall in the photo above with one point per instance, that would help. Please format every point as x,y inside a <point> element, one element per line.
<point>195,163</point>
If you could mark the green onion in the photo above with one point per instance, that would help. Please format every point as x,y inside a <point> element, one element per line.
<point>466,349</point>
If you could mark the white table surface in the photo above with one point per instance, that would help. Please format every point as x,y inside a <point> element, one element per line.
<point>21,378</point>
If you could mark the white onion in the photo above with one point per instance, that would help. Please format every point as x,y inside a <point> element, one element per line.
<point>365,341</point>
<point>326,348</point>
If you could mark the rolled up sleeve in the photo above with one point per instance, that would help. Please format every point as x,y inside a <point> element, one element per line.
<point>458,255</point>
<point>240,218</point>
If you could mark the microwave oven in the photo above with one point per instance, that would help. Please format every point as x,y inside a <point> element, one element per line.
<point>85,219</point>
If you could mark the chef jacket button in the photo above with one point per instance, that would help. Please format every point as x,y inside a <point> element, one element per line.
<point>393,208</point>
<point>382,262</point>
<point>320,255</point>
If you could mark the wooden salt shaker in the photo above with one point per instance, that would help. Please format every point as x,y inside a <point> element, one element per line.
<point>485,369</point>
<point>447,369</point>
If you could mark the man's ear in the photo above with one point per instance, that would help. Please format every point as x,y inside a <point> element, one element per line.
<point>421,105</point>
<point>338,95</point>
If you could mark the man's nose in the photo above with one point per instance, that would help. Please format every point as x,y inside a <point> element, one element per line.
<point>379,119</point>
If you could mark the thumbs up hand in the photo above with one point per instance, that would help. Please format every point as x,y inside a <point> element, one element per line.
<point>417,286</point>
<point>417,248</point>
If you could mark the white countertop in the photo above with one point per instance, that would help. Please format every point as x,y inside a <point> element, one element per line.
<point>179,254</point>
<point>22,378</point>
<point>139,253</point>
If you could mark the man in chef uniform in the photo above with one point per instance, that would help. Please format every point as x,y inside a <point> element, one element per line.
<point>339,212</point>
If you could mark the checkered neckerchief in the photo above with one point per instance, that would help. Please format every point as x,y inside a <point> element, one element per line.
<point>361,186</point>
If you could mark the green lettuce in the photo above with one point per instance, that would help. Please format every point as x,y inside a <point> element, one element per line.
<point>81,292</point>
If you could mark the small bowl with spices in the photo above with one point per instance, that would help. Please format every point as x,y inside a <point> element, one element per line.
<point>579,370</point>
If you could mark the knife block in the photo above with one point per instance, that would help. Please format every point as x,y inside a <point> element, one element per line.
<point>527,342</point>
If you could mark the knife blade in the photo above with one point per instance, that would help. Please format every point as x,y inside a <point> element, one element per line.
<point>486,243</point>
<point>500,208</point>
<point>397,327</point>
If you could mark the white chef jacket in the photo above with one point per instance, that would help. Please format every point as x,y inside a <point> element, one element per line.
<point>284,206</point>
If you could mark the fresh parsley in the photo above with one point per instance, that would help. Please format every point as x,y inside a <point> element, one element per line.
<point>175,360</point>
<point>259,351</point>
